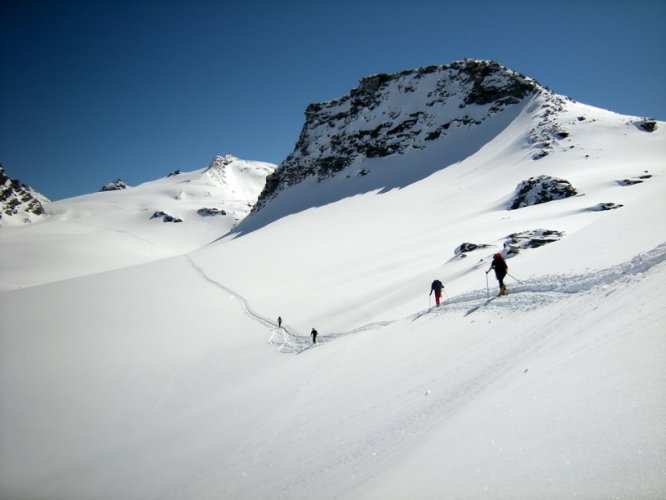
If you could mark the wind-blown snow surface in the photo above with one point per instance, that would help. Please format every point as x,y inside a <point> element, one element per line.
<point>171,380</point>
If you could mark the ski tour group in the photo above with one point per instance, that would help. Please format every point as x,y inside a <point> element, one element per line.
<point>498,264</point>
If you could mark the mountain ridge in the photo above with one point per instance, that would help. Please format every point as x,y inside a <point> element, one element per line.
<point>388,114</point>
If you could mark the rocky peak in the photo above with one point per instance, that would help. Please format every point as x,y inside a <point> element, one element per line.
<point>220,162</point>
<point>388,114</point>
<point>19,203</point>
<point>115,185</point>
<point>217,168</point>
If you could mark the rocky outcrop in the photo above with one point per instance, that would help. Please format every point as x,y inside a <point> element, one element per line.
<point>388,114</point>
<point>646,125</point>
<point>165,217</point>
<point>217,169</point>
<point>116,185</point>
<point>534,238</point>
<point>19,203</point>
<point>210,212</point>
<point>541,189</point>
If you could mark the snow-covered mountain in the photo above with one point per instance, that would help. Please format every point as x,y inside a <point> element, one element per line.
<point>391,114</point>
<point>420,121</point>
<point>172,379</point>
<point>19,203</point>
<point>121,227</point>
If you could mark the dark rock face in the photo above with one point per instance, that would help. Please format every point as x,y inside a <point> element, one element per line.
<point>115,185</point>
<point>165,217</point>
<point>480,74</point>
<point>647,125</point>
<point>388,114</point>
<point>541,189</point>
<point>18,200</point>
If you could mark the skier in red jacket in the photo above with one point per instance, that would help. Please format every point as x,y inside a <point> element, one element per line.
<point>437,288</point>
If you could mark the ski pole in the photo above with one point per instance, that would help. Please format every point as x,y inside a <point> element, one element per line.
<point>515,278</point>
<point>487,288</point>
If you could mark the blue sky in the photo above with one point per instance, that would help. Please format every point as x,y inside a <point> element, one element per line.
<point>100,89</point>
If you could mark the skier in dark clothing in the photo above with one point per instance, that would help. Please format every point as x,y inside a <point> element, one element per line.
<point>437,288</point>
<point>279,321</point>
<point>314,334</point>
<point>501,269</point>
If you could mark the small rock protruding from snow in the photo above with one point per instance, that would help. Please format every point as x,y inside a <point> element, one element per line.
<point>635,180</point>
<point>463,248</point>
<point>165,217</point>
<point>646,125</point>
<point>115,185</point>
<point>601,207</point>
<point>534,238</point>
<point>541,189</point>
<point>208,212</point>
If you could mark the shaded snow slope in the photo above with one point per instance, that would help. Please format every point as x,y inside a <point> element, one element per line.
<point>119,228</point>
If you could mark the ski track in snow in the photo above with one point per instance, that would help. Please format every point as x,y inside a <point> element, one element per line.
<point>525,295</point>
<point>286,338</point>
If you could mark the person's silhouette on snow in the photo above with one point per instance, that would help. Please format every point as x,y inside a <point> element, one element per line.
<point>314,334</point>
<point>501,270</point>
<point>437,288</point>
<point>279,321</point>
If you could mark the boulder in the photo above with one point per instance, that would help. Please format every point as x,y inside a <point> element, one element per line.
<point>534,238</point>
<point>541,189</point>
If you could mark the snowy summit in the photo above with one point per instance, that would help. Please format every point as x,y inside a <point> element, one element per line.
<point>157,341</point>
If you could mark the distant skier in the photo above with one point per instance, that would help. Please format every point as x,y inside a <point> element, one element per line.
<point>314,334</point>
<point>437,288</point>
<point>501,269</point>
<point>279,321</point>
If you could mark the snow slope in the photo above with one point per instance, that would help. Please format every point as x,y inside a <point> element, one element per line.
<point>171,379</point>
<point>108,230</point>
